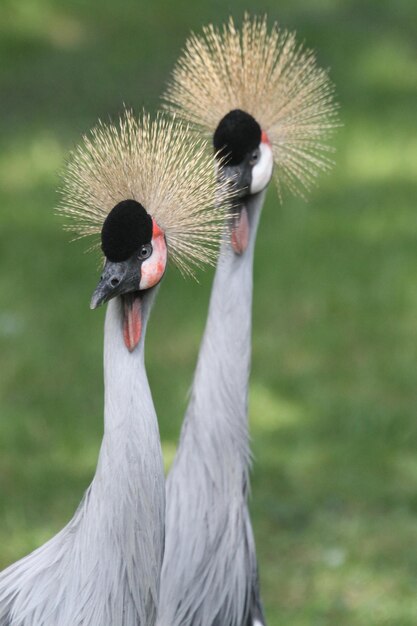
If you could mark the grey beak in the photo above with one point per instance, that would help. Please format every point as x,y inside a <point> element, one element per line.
<point>239,176</point>
<point>117,278</point>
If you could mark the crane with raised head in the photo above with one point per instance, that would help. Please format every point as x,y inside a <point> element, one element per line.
<point>266,104</point>
<point>148,188</point>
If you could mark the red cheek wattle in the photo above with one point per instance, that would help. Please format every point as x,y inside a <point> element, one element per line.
<point>265,138</point>
<point>156,231</point>
<point>150,277</point>
<point>153,268</point>
<point>132,321</point>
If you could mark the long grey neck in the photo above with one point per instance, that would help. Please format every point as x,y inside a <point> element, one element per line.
<point>127,494</point>
<point>128,405</point>
<point>218,407</point>
<point>104,567</point>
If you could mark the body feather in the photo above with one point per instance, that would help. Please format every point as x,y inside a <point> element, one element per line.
<point>104,566</point>
<point>209,576</point>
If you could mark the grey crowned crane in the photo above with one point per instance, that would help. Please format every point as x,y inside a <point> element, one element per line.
<point>147,187</point>
<point>264,102</point>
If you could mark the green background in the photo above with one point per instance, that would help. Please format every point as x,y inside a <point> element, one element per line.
<point>334,381</point>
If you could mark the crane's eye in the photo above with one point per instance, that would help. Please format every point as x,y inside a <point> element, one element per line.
<point>254,157</point>
<point>145,251</point>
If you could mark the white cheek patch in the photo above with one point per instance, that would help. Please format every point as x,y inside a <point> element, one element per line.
<point>262,171</point>
<point>257,623</point>
<point>153,268</point>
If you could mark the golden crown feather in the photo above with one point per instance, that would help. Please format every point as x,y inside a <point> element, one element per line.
<point>268,75</point>
<point>163,165</point>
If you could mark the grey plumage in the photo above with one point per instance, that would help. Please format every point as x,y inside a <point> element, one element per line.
<point>209,575</point>
<point>104,566</point>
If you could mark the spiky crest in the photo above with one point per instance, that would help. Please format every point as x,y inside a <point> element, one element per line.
<point>271,77</point>
<point>158,162</point>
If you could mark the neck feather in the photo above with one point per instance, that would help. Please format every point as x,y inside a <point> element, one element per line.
<point>127,495</point>
<point>131,449</point>
<point>218,406</point>
<point>209,552</point>
<point>104,566</point>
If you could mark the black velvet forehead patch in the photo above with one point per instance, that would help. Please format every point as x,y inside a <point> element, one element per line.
<point>127,227</point>
<point>237,134</point>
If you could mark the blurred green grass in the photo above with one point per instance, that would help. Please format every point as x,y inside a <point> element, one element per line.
<point>334,382</point>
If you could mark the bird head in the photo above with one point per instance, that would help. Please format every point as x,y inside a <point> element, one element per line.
<point>262,99</point>
<point>244,151</point>
<point>148,189</point>
<point>136,254</point>
<point>245,159</point>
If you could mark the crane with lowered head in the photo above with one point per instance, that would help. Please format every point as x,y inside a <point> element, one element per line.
<point>147,187</point>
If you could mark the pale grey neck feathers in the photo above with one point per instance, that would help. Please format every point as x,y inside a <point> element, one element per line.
<point>210,565</point>
<point>104,566</point>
